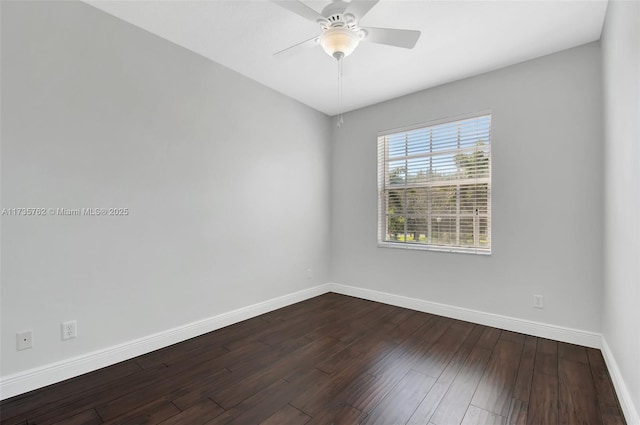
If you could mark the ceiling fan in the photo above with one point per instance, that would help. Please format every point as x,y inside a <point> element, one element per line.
<point>341,32</point>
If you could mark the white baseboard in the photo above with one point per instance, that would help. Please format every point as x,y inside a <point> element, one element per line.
<point>544,330</point>
<point>626,402</point>
<point>39,377</point>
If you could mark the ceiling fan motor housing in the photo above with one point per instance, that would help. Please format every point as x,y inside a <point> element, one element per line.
<point>340,34</point>
<point>334,11</point>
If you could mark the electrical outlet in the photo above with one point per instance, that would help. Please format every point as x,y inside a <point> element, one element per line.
<point>24,340</point>
<point>538,301</point>
<point>309,274</point>
<point>69,329</point>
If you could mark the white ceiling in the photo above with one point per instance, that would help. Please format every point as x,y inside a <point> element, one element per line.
<point>459,39</point>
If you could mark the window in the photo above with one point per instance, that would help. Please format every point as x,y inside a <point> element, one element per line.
<point>434,186</point>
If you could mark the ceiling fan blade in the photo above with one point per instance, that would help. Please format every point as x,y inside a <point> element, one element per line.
<point>359,8</point>
<point>392,37</point>
<point>307,43</point>
<point>300,9</point>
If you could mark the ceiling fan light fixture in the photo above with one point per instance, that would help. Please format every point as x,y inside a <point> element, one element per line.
<point>339,42</point>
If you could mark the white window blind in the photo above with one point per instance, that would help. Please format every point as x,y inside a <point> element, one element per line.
<point>434,187</point>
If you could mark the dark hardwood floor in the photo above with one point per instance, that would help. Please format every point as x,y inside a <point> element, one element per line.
<point>336,360</point>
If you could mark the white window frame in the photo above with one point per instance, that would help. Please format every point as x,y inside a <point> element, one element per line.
<point>384,186</point>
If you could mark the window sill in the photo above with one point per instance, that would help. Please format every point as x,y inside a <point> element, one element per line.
<point>420,247</point>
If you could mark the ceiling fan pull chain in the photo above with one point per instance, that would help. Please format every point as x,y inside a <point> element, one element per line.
<point>340,120</point>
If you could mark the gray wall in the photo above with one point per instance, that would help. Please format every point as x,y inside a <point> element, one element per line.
<point>546,195</point>
<point>227,183</point>
<point>621,76</point>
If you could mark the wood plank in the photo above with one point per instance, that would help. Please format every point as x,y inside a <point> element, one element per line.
<point>577,401</point>
<point>66,392</point>
<point>341,414</point>
<point>265,403</point>
<point>149,414</point>
<point>360,325</point>
<point>196,415</point>
<point>231,338</point>
<point>89,417</point>
<point>522,388</point>
<point>518,412</point>
<point>195,394</point>
<point>495,389</point>
<point>224,418</point>
<point>405,329</point>
<point>543,403</point>
<point>612,416</point>
<point>358,348</point>
<point>574,353</point>
<point>176,353</point>
<point>275,332</point>
<point>312,361</point>
<point>388,321</point>
<point>411,350</point>
<point>163,387</point>
<point>398,406</point>
<point>291,364</point>
<point>543,399</point>
<point>198,381</point>
<point>546,357</point>
<point>478,416</point>
<point>339,359</point>
<point>399,316</point>
<point>489,338</point>
<point>607,400</point>
<point>287,415</point>
<point>335,325</point>
<point>92,397</point>
<point>454,405</point>
<point>245,365</point>
<point>518,338</point>
<point>284,332</point>
<point>316,398</point>
<point>364,394</point>
<point>427,407</point>
<point>434,361</point>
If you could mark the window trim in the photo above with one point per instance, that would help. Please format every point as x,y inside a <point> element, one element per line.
<point>381,243</point>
